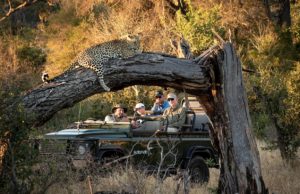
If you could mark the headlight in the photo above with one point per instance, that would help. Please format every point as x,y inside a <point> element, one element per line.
<point>81,149</point>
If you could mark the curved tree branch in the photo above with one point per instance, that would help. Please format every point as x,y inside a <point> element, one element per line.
<point>144,69</point>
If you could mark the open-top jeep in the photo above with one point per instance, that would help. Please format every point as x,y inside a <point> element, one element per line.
<point>150,147</point>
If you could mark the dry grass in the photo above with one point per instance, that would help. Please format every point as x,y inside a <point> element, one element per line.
<point>132,181</point>
<point>278,177</point>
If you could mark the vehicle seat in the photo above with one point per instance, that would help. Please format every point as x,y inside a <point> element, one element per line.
<point>189,121</point>
<point>202,122</point>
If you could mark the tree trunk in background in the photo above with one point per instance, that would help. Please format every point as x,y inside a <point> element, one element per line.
<point>282,18</point>
<point>285,14</point>
<point>137,92</point>
<point>215,77</point>
<point>281,12</point>
<point>268,9</point>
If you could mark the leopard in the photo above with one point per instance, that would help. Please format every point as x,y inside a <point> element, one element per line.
<point>96,56</point>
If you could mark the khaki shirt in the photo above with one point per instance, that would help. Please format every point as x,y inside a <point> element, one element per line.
<point>113,118</point>
<point>176,117</point>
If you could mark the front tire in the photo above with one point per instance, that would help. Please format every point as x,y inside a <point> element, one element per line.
<point>198,170</point>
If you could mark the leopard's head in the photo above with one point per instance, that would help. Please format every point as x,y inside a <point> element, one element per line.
<point>134,43</point>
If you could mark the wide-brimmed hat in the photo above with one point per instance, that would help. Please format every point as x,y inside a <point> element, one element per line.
<point>118,106</point>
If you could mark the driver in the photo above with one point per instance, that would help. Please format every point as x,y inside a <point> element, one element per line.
<point>118,114</point>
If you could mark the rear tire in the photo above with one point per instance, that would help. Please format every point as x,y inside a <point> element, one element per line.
<point>198,170</point>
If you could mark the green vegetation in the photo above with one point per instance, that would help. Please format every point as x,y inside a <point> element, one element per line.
<point>19,158</point>
<point>276,61</point>
<point>47,37</point>
<point>32,56</point>
<point>196,26</point>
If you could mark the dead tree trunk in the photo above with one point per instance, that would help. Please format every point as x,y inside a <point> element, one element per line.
<point>232,133</point>
<point>215,78</point>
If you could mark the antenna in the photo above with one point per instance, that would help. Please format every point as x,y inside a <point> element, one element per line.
<point>79,114</point>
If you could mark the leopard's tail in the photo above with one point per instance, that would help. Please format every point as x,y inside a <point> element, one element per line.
<point>102,83</point>
<point>101,80</point>
<point>45,76</point>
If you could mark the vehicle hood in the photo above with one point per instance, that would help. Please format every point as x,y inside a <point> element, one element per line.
<point>88,133</point>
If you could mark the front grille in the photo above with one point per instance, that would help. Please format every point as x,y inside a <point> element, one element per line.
<point>49,146</point>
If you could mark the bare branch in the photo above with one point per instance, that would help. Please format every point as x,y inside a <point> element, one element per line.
<point>10,7</point>
<point>218,36</point>
<point>13,166</point>
<point>21,6</point>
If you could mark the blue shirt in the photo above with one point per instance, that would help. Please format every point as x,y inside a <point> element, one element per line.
<point>158,109</point>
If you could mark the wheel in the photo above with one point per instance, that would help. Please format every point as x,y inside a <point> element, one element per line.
<point>198,170</point>
<point>112,161</point>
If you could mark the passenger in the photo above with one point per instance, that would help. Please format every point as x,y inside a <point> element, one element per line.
<point>160,104</point>
<point>139,110</point>
<point>118,114</point>
<point>175,114</point>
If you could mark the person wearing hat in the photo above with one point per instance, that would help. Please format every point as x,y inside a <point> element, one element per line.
<point>139,110</point>
<point>118,114</point>
<point>160,104</point>
<point>175,114</point>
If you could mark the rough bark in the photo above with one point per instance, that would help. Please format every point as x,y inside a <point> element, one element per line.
<point>215,77</point>
<point>240,164</point>
<point>285,14</point>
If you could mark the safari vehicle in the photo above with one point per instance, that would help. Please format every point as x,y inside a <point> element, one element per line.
<point>150,147</point>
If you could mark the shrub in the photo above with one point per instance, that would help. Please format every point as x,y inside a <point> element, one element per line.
<point>196,26</point>
<point>16,157</point>
<point>278,86</point>
<point>32,56</point>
